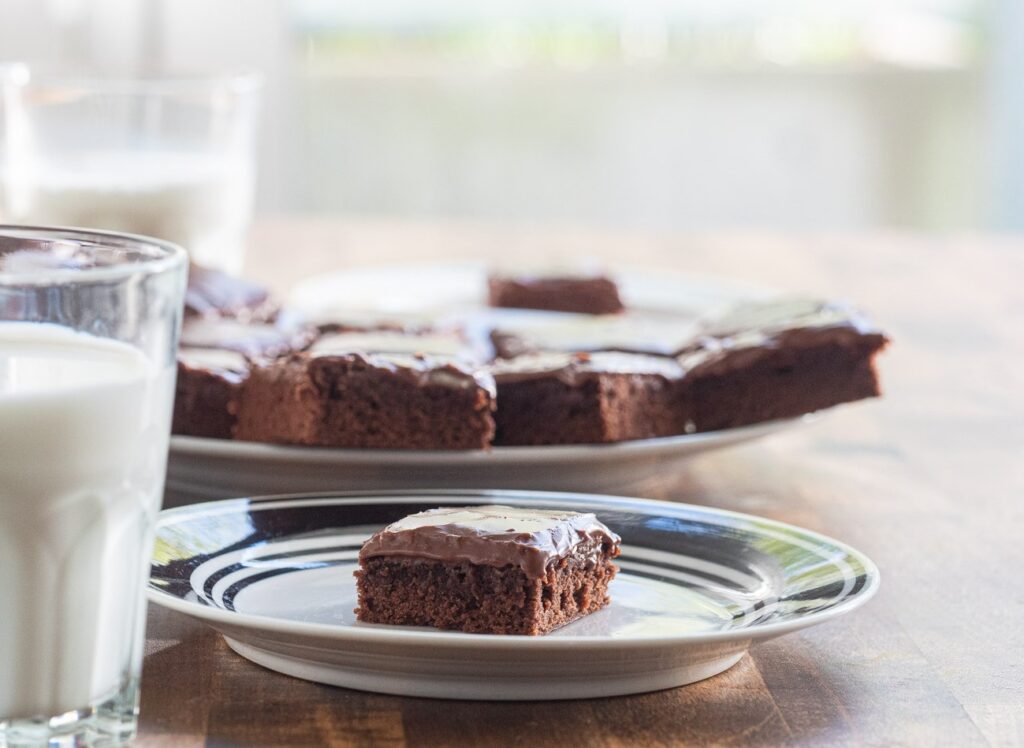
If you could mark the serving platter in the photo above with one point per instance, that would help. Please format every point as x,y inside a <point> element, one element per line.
<point>696,588</point>
<point>204,469</point>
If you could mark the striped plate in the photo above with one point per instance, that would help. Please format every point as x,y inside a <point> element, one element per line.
<point>697,586</point>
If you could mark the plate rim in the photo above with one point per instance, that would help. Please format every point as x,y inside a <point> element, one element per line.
<point>199,446</point>
<point>449,639</point>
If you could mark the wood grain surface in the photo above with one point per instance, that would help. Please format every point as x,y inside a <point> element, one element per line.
<point>928,481</point>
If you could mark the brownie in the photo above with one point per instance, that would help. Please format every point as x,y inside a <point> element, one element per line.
<point>586,293</point>
<point>487,570</point>
<point>206,391</point>
<point>778,359</point>
<point>212,293</point>
<point>376,400</point>
<point>563,398</point>
<point>253,339</point>
<point>651,333</point>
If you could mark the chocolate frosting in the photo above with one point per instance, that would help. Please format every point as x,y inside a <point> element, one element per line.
<point>253,339</point>
<point>572,368</point>
<point>213,293</point>
<point>494,536</point>
<point>749,331</point>
<point>230,365</point>
<point>762,319</point>
<point>443,371</point>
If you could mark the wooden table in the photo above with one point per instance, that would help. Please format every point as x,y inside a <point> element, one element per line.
<point>928,481</point>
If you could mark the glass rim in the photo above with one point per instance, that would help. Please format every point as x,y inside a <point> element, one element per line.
<point>240,80</point>
<point>168,256</point>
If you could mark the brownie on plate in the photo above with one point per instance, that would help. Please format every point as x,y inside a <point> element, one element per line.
<point>778,359</point>
<point>206,392</point>
<point>586,398</point>
<point>487,570</point>
<point>338,397</point>
<point>587,293</point>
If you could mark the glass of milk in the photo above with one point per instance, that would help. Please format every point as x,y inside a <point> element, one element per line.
<point>167,157</point>
<point>88,329</point>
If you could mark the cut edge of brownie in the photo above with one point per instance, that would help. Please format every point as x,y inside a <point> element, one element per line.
<point>368,401</point>
<point>206,392</point>
<point>802,371</point>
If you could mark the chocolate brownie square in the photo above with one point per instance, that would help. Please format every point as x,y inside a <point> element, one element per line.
<point>206,391</point>
<point>487,570</point>
<point>374,400</point>
<point>563,398</point>
<point>778,359</point>
<point>586,293</point>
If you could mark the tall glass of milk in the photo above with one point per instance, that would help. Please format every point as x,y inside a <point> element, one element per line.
<point>88,329</point>
<point>169,157</point>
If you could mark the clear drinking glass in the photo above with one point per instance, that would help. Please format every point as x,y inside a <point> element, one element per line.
<point>89,323</point>
<point>167,157</point>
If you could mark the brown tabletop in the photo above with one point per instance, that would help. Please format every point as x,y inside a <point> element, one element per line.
<point>928,481</point>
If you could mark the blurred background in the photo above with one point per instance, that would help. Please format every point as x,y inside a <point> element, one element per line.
<point>648,114</point>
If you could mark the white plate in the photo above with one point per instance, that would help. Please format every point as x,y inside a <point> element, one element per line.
<point>431,290</point>
<point>203,469</point>
<point>697,586</point>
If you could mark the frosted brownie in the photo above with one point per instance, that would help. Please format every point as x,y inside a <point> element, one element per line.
<point>343,393</point>
<point>487,569</point>
<point>779,359</point>
<point>206,391</point>
<point>212,293</point>
<point>564,398</point>
<point>566,291</point>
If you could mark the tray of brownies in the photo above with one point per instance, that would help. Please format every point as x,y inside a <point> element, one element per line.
<point>454,376</point>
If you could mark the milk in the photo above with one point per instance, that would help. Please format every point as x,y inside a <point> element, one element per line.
<point>201,202</point>
<point>84,426</point>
